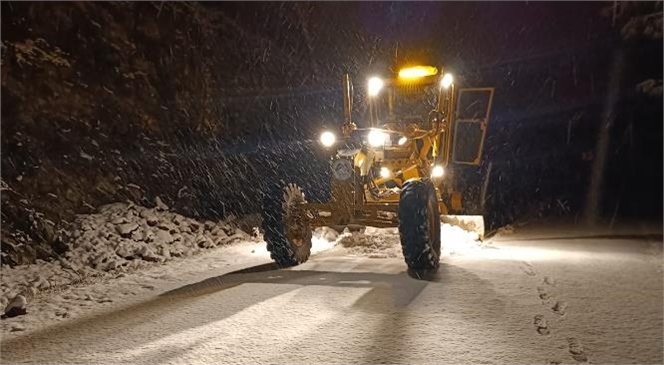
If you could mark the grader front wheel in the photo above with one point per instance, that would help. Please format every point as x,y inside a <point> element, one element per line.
<point>419,228</point>
<point>286,226</point>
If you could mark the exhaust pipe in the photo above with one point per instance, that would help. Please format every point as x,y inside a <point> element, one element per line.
<point>348,126</point>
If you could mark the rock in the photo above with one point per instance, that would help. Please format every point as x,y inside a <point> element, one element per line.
<point>204,242</point>
<point>163,237</point>
<point>148,236</point>
<point>230,230</point>
<point>166,226</point>
<point>149,217</point>
<point>165,252</point>
<point>176,251</point>
<point>152,258</point>
<point>125,252</point>
<point>120,220</point>
<point>160,204</point>
<point>179,220</point>
<point>62,313</point>
<point>220,240</point>
<point>126,229</point>
<point>218,232</point>
<point>17,327</point>
<point>139,235</point>
<point>48,231</point>
<point>16,307</point>
<point>111,265</point>
<point>148,255</point>
<point>194,226</point>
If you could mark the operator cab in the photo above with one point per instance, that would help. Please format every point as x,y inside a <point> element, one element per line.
<point>405,100</point>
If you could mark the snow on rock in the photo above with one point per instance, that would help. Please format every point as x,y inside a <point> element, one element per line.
<point>160,204</point>
<point>16,307</point>
<point>122,237</point>
<point>126,229</point>
<point>150,218</point>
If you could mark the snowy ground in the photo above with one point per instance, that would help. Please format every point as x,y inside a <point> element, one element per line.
<point>531,296</point>
<point>117,254</point>
<point>120,239</point>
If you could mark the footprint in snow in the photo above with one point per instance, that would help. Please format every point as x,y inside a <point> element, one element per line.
<point>543,294</point>
<point>559,308</point>
<point>577,350</point>
<point>527,268</point>
<point>62,313</point>
<point>549,281</point>
<point>540,325</point>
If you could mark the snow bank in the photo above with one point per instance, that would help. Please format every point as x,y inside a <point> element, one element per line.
<point>373,242</point>
<point>323,239</point>
<point>457,241</point>
<point>385,242</point>
<point>122,237</point>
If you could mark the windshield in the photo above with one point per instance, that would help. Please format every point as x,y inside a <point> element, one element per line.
<point>406,103</point>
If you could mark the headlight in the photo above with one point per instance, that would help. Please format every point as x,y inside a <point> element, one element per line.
<point>384,172</point>
<point>437,171</point>
<point>377,138</point>
<point>375,85</point>
<point>327,138</point>
<point>446,81</point>
<point>402,141</point>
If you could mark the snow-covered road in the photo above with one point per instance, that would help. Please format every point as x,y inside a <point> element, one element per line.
<point>531,297</point>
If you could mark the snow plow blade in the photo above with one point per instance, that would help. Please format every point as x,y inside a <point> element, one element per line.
<point>470,223</point>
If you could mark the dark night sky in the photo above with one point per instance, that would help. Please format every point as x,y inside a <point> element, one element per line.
<point>474,33</point>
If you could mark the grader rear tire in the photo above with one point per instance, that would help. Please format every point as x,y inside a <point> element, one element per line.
<point>419,228</point>
<point>286,228</point>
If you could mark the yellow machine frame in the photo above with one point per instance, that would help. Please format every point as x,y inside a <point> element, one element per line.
<point>364,199</point>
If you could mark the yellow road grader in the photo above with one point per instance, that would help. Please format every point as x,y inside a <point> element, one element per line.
<point>394,168</point>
